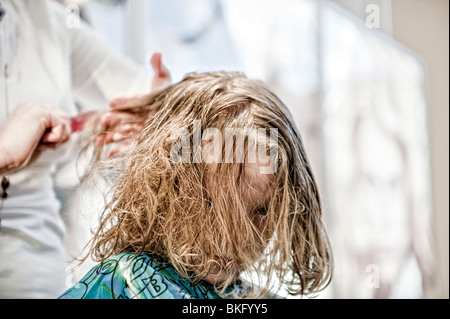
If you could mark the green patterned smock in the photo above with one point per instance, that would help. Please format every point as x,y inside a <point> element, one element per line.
<point>130,276</point>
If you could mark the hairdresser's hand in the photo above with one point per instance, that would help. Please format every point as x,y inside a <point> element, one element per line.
<point>124,127</point>
<point>30,129</point>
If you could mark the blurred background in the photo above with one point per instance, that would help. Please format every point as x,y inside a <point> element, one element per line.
<point>367,84</point>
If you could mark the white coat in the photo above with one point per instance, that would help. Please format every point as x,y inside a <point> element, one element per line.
<point>71,68</point>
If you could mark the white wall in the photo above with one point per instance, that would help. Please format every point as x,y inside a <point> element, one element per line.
<point>422,25</point>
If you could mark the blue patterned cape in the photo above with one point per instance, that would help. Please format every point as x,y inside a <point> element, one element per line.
<point>130,276</point>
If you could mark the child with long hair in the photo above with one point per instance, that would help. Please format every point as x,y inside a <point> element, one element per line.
<point>216,200</point>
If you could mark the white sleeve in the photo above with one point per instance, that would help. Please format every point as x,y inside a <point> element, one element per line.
<point>99,73</point>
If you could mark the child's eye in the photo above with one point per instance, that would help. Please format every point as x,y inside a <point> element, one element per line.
<point>261,211</point>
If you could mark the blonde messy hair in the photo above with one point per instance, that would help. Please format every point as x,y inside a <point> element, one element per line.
<point>165,208</point>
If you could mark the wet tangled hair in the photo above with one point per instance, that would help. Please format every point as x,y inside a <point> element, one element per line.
<point>168,208</point>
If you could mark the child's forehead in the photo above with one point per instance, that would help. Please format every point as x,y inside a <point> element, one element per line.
<point>254,187</point>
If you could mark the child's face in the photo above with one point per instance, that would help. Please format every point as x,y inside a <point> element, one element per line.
<point>255,190</point>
